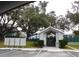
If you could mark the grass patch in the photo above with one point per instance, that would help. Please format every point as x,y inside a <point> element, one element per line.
<point>66,47</point>
<point>29,44</point>
<point>32,44</point>
<point>74,44</point>
<point>2,44</point>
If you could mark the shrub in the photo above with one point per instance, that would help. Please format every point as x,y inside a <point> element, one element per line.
<point>32,39</point>
<point>62,43</point>
<point>76,33</point>
<point>37,43</point>
<point>41,43</point>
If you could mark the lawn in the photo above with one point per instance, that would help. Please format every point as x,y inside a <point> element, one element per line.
<point>1,44</point>
<point>74,44</point>
<point>30,44</point>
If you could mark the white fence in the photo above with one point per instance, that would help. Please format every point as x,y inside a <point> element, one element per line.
<point>15,41</point>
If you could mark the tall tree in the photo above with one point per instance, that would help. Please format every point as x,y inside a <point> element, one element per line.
<point>52,18</point>
<point>75,6</point>
<point>43,5</point>
<point>7,22</point>
<point>32,20</point>
<point>62,23</point>
<point>27,17</point>
<point>74,16</point>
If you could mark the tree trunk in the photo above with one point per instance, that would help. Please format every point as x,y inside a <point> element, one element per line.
<point>1,37</point>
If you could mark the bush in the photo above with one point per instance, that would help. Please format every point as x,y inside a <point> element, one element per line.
<point>62,43</point>
<point>37,43</point>
<point>76,33</point>
<point>32,39</point>
<point>41,43</point>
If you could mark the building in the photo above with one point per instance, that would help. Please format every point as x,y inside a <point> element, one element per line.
<point>51,36</point>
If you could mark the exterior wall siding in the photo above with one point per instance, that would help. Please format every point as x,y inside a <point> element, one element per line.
<point>15,41</point>
<point>42,36</point>
<point>59,36</point>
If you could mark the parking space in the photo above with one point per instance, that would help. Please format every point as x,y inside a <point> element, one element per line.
<point>36,53</point>
<point>18,53</point>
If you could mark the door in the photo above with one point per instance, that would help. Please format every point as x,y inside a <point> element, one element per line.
<point>51,41</point>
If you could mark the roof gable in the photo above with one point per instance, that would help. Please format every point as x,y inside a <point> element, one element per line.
<point>50,28</point>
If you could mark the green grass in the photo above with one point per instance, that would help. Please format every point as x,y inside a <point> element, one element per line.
<point>66,47</point>
<point>29,44</point>
<point>74,44</point>
<point>2,44</point>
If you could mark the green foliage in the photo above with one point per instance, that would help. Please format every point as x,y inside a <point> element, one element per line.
<point>35,43</point>
<point>32,39</point>
<point>41,43</point>
<point>28,17</point>
<point>33,19</point>
<point>76,33</point>
<point>74,16</point>
<point>62,43</point>
<point>29,44</point>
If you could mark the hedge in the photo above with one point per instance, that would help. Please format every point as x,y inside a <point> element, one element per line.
<point>76,33</point>
<point>62,43</point>
<point>37,43</point>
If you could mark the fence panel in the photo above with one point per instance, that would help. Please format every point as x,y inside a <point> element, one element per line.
<point>22,42</point>
<point>15,41</point>
<point>71,38</point>
<point>11,41</point>
<point>6,42</point>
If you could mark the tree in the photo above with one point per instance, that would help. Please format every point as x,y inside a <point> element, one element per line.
<point>43,6</point>
<point>62,23</point>
<point>52,18</point>
<point>74,16</point>
<point>32,20</point>
<point>27,17</point>
<point>7,22</point>
<point>75,6</point>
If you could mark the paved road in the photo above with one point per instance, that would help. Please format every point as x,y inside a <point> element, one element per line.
<point>37,53</point>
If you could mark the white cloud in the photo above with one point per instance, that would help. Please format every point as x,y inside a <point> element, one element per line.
<point>59,6</point>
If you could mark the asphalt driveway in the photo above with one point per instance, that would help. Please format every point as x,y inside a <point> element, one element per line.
<point>36,53</point>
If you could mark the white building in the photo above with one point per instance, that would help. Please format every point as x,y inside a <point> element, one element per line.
<point>51,36</point>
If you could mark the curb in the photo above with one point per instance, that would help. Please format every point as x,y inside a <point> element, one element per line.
<point>38,49</point>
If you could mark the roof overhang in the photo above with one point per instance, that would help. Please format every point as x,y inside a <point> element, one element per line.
<point>6,6</point>
<point>50,28</point>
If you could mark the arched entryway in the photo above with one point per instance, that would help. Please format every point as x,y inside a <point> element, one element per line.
<point>51,39</point>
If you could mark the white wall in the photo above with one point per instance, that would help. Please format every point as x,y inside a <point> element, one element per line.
<point>42,36</point>
<point>59,36</point>
<point>15,41</point>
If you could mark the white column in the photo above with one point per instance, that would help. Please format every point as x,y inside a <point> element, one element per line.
<point>43,37</point>
<point>57,40</point>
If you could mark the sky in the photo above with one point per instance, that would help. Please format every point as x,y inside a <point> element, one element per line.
<point>59,6</point>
